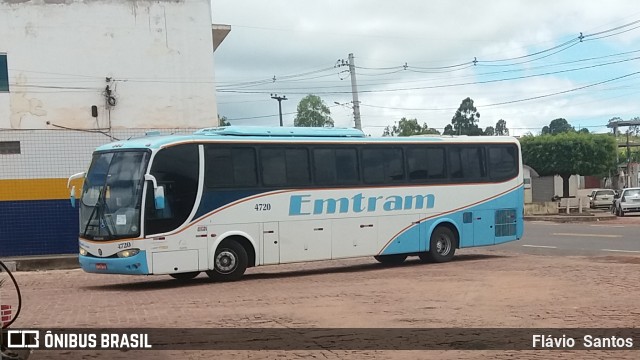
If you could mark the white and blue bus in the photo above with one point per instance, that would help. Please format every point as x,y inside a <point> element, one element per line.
<point>224,199</point>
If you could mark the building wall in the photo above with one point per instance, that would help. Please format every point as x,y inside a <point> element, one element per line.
<point>36,216</point>
<point>159,58</point>
<point>574,185</point>
<point>159,55</point>
<point>542,188</point>
<point>592,182</point>
<point>528,193</point>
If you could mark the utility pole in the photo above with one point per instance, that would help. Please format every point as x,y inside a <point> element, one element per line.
<point>354,92</point>
<point>627,179</point>
<point>279,98</point>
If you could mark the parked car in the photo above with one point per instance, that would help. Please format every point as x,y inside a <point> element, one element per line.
<point>628,201</point>
<point>601,198</point>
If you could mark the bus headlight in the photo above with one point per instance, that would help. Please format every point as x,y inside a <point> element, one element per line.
<point>128,253</point>
<point>83,252</point>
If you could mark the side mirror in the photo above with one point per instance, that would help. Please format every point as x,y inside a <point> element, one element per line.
<point>72,196</point>
<point>75,176</point>
<point>158,195</point>
<point>158,191</point>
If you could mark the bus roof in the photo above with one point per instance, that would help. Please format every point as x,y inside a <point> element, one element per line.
<point>153,139</point>
<point>281,131</point>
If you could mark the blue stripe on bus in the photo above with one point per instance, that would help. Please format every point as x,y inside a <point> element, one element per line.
<point>213,200</point>
<point>134,265</point>
<point>414,239</point>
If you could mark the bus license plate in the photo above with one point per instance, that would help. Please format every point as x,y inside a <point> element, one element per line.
<point>101,266</point>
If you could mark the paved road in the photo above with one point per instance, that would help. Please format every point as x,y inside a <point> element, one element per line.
<point>590,239</point>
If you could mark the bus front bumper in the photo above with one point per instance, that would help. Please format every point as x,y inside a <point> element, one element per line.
<point>134,265</point>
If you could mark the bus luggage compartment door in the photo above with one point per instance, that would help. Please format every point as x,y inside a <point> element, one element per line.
<point>483,231</point>
<point>170,262</point>
<point>305,240</point>
<point>270,244</point>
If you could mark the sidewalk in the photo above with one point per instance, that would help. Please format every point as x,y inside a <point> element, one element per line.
<point>566,218</point>
<point>44,262</point>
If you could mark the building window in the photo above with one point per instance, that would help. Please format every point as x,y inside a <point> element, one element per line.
<point>9,147</point>
<point>4,74</point>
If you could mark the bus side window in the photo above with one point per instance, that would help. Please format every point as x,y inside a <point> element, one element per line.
<point>502,162</point>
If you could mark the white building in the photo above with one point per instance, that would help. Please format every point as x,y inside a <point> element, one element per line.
<point>141,63</point>
<point>75,74</point>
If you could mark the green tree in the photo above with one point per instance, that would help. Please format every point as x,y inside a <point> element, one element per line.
<point>312,111</point>
<point>569,153</point>
<point>557,126</point>
<point>408,127</point>
<point>501,128</point>
<point>465,119</point>
<point>448,130</point>
<point>222,121</point>
<point>490,131</point>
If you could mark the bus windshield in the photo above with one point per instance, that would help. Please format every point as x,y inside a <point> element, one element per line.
<point>112,195</point>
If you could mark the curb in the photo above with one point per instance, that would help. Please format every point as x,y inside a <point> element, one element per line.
<point>36,263</point>
<point>569,218</point>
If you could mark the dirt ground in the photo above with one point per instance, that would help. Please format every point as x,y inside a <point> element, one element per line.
<point>480,288</point>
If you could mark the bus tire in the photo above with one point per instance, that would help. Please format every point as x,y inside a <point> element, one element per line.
<point>391,259</point>
<point>185,276</point>
<point>442,245</point>
<point>230,262</point>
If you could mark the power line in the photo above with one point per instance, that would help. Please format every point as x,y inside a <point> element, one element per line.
<point>443,85</point>
<point>563,92</point>
<point>511,101</point>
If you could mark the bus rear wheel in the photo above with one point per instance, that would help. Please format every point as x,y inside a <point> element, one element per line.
<point>230,262</point>
<point>185,276</point>
<point>442,245</point>
<point>391,259</point>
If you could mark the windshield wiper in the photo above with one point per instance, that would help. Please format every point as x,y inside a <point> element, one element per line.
<point>102,204</point>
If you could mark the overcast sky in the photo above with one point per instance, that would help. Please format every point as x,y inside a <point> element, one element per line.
<point>524,50</point>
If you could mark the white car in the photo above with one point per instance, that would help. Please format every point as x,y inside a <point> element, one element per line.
<point>601,198</point>
<point>628,201</point>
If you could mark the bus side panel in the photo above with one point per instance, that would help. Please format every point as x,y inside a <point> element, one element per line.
<point>399,234</point>
<point>496,221</point>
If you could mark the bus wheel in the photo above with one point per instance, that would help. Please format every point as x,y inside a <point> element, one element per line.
<point>185,276</point>
<point>443,245</point>
<point>230,262</point>
<point>391,259</point>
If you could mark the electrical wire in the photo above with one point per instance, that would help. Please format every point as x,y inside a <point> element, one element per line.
<point>292,90</point>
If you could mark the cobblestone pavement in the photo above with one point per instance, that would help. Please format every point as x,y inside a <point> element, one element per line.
<point>482,288</point>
